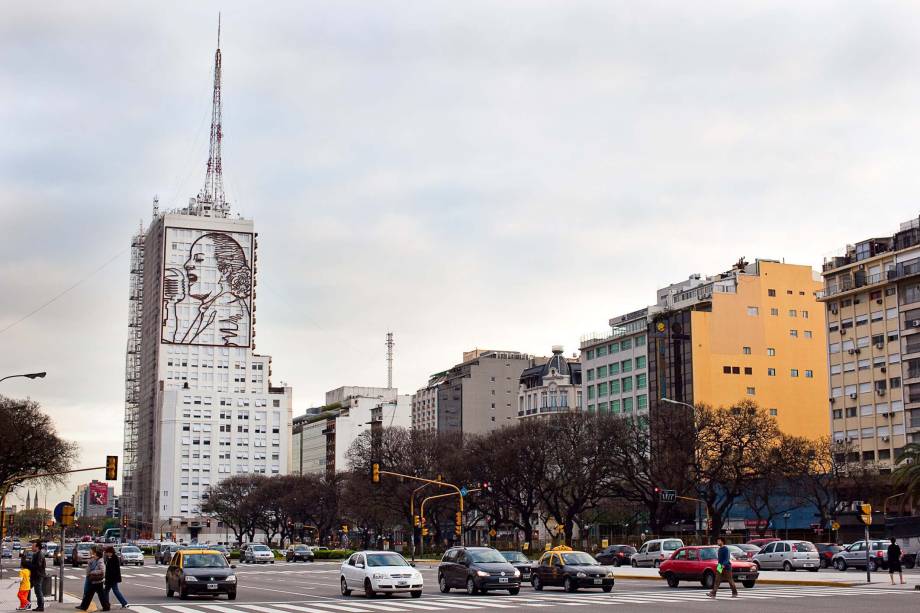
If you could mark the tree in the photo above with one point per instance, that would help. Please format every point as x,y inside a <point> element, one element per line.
<point>906,475</point>
<point>30,445</point>
<point>232,502</point>
<point>271,504</point>
<point>773,494</point>
<point>733,451</point>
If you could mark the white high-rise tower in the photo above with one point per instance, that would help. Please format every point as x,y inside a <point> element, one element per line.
<point>199,403</point>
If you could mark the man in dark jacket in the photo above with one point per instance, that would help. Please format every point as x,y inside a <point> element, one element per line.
<point>723,570</point>
<point>37,568</point>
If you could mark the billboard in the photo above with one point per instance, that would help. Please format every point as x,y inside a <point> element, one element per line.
<point>98,494</point>
<point>207,288</point>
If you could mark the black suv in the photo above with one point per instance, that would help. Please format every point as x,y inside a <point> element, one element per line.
<point>616,555</point>
<point>477,570</point>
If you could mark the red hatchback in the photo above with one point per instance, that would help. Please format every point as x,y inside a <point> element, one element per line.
<point>699,564</point>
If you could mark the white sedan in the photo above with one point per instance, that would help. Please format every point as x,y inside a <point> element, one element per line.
<point>384,572</point>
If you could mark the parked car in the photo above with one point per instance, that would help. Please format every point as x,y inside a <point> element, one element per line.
<point>788,556</point>
<point>129,554</point>
<point>654,552</point>
<point>81,553</point>
<point>200,571</point>
<point>48,548</point>
<point>164,553</point>
<point>66,554</point>
<point>477,569</point>
<point>749,550</point>
<point>385,572</point>
<point>571,570</point>
<point>7,551</point>
<point>256,553</point>
<point>223,549</point>
<point>826,553</point>
<point>855,556</point>
<point>616,555</point>
<point>699,563</point>
<point>520,562</point>
<point>300,553</point>
<point>761,542</point>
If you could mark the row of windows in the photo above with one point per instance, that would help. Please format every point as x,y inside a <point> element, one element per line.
<point>772,292</point>
<point>861,320</point>
<point>862,342</point>
<point>868,432</point>
<point>880,386</point>
<point>833,307</point>
<point>624,405</point>
<point>617,386</point>
<point>616,368</point>
<point>228,402</point>
<point>771,372</point>
<point>867,410</point>
<point>615,347</point>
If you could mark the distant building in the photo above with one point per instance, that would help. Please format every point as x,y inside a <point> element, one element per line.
<point>94,499</point>
<point>615,366</point>
<point>550,388</point>
<point>872,300</point>
<point>425,404</point>
<point>321,440</point>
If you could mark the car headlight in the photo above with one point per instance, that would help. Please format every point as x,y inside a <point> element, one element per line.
<point>517,573</point>
<point>482,573</point>
<point>581,574</point>
<point>610,575</point>
<point>189,579</point>
<point>379,576</point>
<point>231,578</point>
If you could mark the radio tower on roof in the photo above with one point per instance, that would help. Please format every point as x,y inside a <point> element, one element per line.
<point>211,200</point>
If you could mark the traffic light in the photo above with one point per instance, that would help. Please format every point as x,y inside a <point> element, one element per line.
<point>416,521</point>
<point>458,518</point>
<point>375,472</point>
<point>709,524</point>
<point>424,531</point>
<point>344,528</point>
<point>865,513</point>
<point>486,486</point>
<point>458,530</point>
<point>111,468</point>
<point>207,523</point>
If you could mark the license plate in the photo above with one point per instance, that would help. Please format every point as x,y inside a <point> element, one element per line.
<point>212,586</point>
<point>503,579</point>
<point>402,583</point>
<point>742,577</point>
<point>598,581</point>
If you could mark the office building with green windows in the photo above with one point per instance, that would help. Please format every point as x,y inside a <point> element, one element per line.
<point>615,366</point>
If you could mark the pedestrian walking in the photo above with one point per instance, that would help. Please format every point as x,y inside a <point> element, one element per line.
<point>894,561</point>
<point>37,568</point>
<point>723,570</point>
<point>23,592</point>
<point>95,582</point>
<point>113,576</point>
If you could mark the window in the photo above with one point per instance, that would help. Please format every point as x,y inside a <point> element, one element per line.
<point>794,333</point>
<point>589,354</point>
<point>793,313</point>
<point>771,351</point>
<point>807,333</point>
<point>809,374</point>
<point>727,370</point>
<point>601,390</point>
<point>753,311</point>
<point>773,412</point>
<point>794,372</point>
<point>746,350</point>
<point>590,374</point>
<point>774,312</point>
<point>626,365</point>
<point>736,370</point>
<point>771,293</point>
<point>626,384</point>
<point>771,372</point>
<point>601,351</point>
<point>804,314</point>
<point>640,362</point>
<point>748,370</point>
<point>751,391</point>
<point>641,381</point>
<point>851,411</point>
<point>626,344</point>
<point>838,413</point>
<point>614,348</point>
<point>627,405</point>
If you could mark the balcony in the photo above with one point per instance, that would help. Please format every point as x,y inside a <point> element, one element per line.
<point>847,282</point>
<point>904,270</point>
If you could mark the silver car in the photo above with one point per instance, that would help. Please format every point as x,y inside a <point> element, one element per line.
<point>654,552</point>
<point>788,556</point>
<point>129,554</point>
<point>855,555</point>
<point>258,554</point>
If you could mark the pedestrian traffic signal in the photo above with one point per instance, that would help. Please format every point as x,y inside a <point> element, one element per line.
<point>111,468</point>
<point>375,472</point>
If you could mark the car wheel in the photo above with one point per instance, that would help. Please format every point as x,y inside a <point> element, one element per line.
<point>514,591</point>
<point>442,584</point>
<point>910,562</point>
<point>748,584</point>
<point>470,586</point>
<point>873,566</point>
<point>416,594</point>
<point>822,563</point>
<point>273,561</point>
<point>231,595</point>
<point>617,562</point>
<point>672,580</point>
<point>569,585</point>
<point>368,589</point>
<point>345,590</point>
<point>787,566</point>
<point>709,579</point>
<point>183,595</point>
<point>536,584</point>
<point>607,589</point>
<point>840,564</point>
<point>634,563</point>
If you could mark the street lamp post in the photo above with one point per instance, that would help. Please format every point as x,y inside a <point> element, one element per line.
<point>678,402</point>
<point>31,375</point>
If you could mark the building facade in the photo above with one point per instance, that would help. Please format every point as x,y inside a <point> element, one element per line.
<point>425,404</point>
<point>615,366</point>
<point>550,388</point>
<point>872,297</point>
<point>324,438</point>
<point>200,405</point>
<point>756,331</point>
<point>95,499</point>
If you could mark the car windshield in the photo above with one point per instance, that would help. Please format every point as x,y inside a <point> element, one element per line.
<point>737,552</point>
<point>880,545</point>
<point>485,555</point>
<point>833,548</point>
<point>259,548</point>
<point>301,548</point>
<point>130,550</point>
<point>386,559</point>
<point>671,545</point>
<point>85,546</point>
<point>514,556</point>
<point>578,558</point>
<point>803,546</point>
<point>205,560</point>
<point>748,547</point>
<point>709,553</point>
<point>221,548</point>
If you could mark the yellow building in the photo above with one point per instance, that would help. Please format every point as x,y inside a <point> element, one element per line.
<point>756,332</point>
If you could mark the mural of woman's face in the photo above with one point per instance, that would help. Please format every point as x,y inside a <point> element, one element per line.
<point>199,260</point>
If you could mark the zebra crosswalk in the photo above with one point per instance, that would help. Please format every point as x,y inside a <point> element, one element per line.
<point>460,603</point>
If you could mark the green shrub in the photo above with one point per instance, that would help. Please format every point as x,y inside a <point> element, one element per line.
<point>332,554</point>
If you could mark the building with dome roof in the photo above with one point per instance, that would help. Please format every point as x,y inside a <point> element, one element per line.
<point>550,388</point>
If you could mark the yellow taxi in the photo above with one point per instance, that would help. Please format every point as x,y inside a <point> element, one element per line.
<point>195,572</point>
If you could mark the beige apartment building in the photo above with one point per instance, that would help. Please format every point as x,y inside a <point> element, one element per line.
<point>872,295</point>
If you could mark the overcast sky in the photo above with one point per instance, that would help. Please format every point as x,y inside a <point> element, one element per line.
<point>494,174</point>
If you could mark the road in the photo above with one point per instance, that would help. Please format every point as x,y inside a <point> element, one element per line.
<point>314,588</point>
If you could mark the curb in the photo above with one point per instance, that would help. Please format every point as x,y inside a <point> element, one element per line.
<point>806,582</point>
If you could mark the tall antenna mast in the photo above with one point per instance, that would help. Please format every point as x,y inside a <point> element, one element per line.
<point>213,191</point>
<point>390,344</point>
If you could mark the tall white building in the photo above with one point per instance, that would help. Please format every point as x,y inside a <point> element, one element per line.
<point>200,405</point>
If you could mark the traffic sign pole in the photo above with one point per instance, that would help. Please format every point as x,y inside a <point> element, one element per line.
<point>60,591</point>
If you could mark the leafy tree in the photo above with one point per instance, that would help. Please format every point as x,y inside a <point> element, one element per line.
<point>906,475</point>
<point>233,501</point>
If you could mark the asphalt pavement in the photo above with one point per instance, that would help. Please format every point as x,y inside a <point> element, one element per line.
<point>314,588</point>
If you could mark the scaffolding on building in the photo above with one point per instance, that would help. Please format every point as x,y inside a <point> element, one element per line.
<point>133,378</point>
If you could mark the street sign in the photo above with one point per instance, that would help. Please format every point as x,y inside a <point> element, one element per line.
<point>667,495</point>
<point>63,513</point>
<point>835,526</point>
<point>464,491</point>
<point>492,532</point>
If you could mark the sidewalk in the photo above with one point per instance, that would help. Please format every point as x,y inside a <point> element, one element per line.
<point>827,578</point>
<point>9,601</point>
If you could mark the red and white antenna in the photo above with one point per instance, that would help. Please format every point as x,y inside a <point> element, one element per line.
<point>213,191</point>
